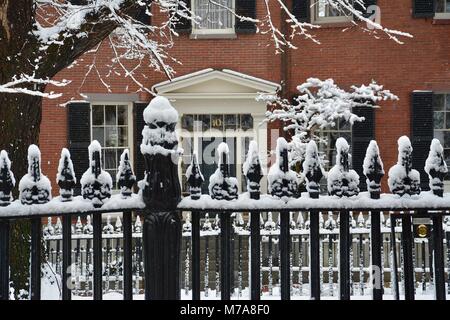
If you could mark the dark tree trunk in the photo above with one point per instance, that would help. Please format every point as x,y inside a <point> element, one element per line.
<point>20,116</point>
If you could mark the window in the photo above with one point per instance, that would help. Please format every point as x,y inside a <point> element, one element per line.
<point>110,126</point>
<point>220,122</point>
<point>443,6</point>
<point>325,11</point>
<point>213,18</point>
<point>441,108</point>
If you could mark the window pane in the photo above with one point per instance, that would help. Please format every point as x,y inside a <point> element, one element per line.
<point>211,16</point>
<point>97,115</point>
<point>439,120</point>
<point>230,121</point>
<point>447,139</point>
<point>118,154</point>
<point>448,102</point>
<point>447,120</point>
<point>187,122</point>
<point>246,122</point>
<point>122,115</point>
<point>438,102</point>
<point>205,121</point>
<point>111,138</point>
<point>440,5</point>
<point>439,135</point>
<point>110,115</point>
<point>98,134</point>
<point>123,136</point>
<point>110,159</point>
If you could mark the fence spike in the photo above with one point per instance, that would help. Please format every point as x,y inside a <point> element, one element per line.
<point>118,225</point>
<point>373,169</point>
<point>7,180</point>
<point>313,170</point>
<point>125,177</point>
<point>436,168</point>
<point>78,226</point>
<point>65,178</point>
<point>195,178</point>
<point>253,171</point>
<point>88,228</point>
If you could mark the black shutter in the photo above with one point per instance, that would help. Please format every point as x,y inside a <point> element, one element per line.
<point>301,9</point>
<point>367,4</point>
<point>245,8</point>
<point>79,136</point>
<point>139,123</point>
<point>421,131</point>
<point>423,8</point>
<point>362,133</point>
<point>142,15</point>
<point>184,25</point>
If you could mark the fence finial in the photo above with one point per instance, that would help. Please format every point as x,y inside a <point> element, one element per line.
<point>125,176</point>
<point>65,178</point>
<point>312,169</point>
<point>403,179</point>
<point>34,187</point>
<point>7,180</point>
<point>373,169</point>
<point>253,171</point>
<point>436,168</point>
<point>221,185</point>
<point>195,178</point>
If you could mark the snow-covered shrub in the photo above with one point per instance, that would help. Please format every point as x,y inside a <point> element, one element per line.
<point>283,182</point>
<point>195,178</point>
<point>96,184</point>
<point>34,187</point>
<point>312,169</point>
<point>221,185</point>
<point>373,169</point>
<point>65,178</point>
<point>436,168</point>
<point>125,176</point>
<point>253,171</point>
<point>7,180</point>
<point>342,181</point>
<point>403,179</point>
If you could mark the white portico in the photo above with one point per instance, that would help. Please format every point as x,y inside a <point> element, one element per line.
<point>216,106</point>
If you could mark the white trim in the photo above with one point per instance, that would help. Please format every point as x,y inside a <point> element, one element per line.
<point>325,20</point>
<point>165,87</point>
<point>442,15</point>
<point>227,31</point>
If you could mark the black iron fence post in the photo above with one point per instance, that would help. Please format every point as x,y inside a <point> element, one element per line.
<point>439,274</point>
<point>408,267</point>
<point>376,243</point>
<point>314,241</point>
<point>127,256</point>
<point>4,259</point>
<point>35,259</point>
<point>225,255</point>
<point>394,281</point>
<point>344,255</point>
<point>195,255</point>
<point>98,255</point>
<point>255,256</point>
<point>67,258</point>
<point>285,249</point>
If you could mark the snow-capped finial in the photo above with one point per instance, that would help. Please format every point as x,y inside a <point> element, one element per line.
<point>194,178</point>
<point>402,178</point>
<point>160,109</point>
<point>118,225</point>
<point>48,229</point>
<point>7,180</point>
<point>217,222</point>
<point>373,169</point>
<point>300,221</point>
<point>342,181</point>
<point>58,226</point>
<point>125,176</point>
<point>436,168</point>
<point>78,226</point>
<point>361,221</point>
<point>270,225</point>
<point>88,228</point>
<point>253,171</point>
<point>221,185</point>
<point>34,187</point>
<point>261,221</point>
<point>96,184</point>
<point>138,225</point>
<point>283,182</point>
<point>312,168</point>
<point>207,223</point>
<point>109,228</point>
<point>65,178</point>
<point>330,224</point>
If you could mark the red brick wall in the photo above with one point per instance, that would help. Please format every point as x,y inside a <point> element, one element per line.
<point>350,57</point>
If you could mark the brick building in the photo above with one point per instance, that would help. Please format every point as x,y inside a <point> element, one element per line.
<point>224,66</point>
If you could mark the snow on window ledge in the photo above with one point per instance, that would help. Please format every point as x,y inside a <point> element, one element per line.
<point>213,34</point>
<point>442,15</point>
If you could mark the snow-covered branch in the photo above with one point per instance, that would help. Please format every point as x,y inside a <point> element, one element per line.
<point>21,84</point>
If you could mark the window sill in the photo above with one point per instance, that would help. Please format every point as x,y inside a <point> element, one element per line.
<point>200,36</point>
<point>334,24</point>
<point>441,18</point>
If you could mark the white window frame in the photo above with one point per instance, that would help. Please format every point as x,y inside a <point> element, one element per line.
<point>228,31</point>
<point>324,20</point>
<point>129,131</point>
<point>446,93</point>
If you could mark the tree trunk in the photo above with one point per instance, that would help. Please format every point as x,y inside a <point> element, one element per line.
<point>20,117</point>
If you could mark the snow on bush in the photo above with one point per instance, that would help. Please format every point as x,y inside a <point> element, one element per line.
<point>65,178</point>
<point>221,185</point>
<point>342,181</point>
<point>373,168</point>
<point>436,168</point>
<point>34,187</point>
<point>7,180</point>
<point>96,184</point>
<point>283,182</point>
<point>403,179</point>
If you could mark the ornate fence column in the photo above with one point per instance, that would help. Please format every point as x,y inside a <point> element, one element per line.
<point>161,194</point>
